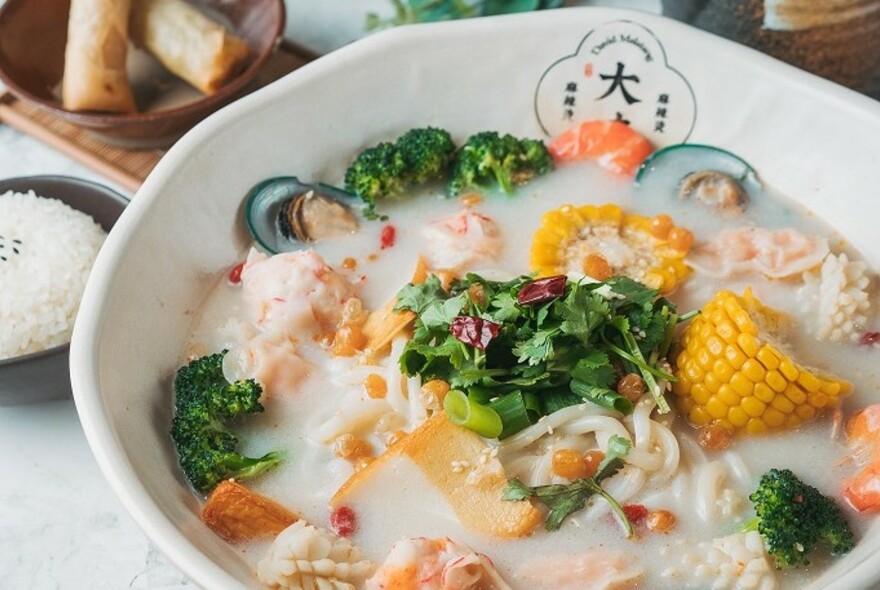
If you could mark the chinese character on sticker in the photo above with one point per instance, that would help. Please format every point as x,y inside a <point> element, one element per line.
<point>617,81</point>
<point>569,101</point>
<point>571,87</point>
<point>661,112</point>
<point>659,126</point>
<point>619,117</point>
<point>569,114</point>
<point>663,99</point>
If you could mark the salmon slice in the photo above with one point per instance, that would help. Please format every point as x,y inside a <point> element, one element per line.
<point>615,146</point>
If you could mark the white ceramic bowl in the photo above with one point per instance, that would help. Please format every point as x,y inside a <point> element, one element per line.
<point>813,140</point>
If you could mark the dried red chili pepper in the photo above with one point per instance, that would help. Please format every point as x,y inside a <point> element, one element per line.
<point>388,237</point>
<point>636,513</point>
<point>474,331</point>
<point>343,521</point>
<point>869,338</point>
<point>235,273</point>
<point>542,290</point>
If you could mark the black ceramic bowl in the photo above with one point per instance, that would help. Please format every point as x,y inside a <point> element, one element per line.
<point>45,375</point>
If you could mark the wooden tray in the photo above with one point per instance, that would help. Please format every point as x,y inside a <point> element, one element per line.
<point>127,168</point>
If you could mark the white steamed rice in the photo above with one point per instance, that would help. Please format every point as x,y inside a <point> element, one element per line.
<point>46,252</point>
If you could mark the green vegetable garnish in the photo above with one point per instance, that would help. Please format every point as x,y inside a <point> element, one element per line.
<point>561,347</point>
<point>466,412</point>
<point>564,500</point>
<point>794,518</point>
<point>204,402</point>
<point>488,160</point>
<point>423,11</point>
<point>388,169</point>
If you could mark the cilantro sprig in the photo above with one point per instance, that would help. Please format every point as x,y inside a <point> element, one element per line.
<point>563,500</point>
<point>549,353</point>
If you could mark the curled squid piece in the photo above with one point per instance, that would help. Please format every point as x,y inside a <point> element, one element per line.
<point>774,253</point>
<point>435,564</point>
<point>304,557</point>
<point>837,295</point>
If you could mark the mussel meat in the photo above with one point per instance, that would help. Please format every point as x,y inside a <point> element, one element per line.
<point>703,173</point>
<point>715,189</point>
<point>283,213</point>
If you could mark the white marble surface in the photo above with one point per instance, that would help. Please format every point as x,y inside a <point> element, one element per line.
<point>60,525</point>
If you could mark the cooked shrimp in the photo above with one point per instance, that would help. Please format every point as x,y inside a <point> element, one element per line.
<point>614,145</point>
<point>277,367</point>
<point>294,292</point>
<point>862,490</point>
<point>594,570</point>
<point>863,432</point>
<point>462,239</point>
<point>775,253</point>
<point>435,564</point>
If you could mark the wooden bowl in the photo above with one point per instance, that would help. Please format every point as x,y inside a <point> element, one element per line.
<point>33,35</point>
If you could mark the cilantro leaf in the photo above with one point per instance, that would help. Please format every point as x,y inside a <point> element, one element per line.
<point>418,298</point>
<point>582,311</point>
<point>555,354</point>
<point>563,500</point>
<point>537,348</point>
<point>439,314</point>
<point>632,292</point>
<point>595,368</point>
<point>504,308</point>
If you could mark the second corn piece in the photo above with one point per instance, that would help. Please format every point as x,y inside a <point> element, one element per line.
<point>732,373</point>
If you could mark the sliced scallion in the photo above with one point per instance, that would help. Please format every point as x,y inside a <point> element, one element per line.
<point>602,396</point>
<point>513,409</point>
<point>474,416</point>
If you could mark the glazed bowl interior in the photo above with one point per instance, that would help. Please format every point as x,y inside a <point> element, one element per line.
<point>467,76</point>
<point>167,105</point>
<point>44,375</point>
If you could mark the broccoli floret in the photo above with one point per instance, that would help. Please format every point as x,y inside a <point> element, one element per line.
<point>794,518</point>
<point>387,170</point>
<point>488,159</point>
<point>427,153</point>
<point>378,172</point>
<point>204,401</point>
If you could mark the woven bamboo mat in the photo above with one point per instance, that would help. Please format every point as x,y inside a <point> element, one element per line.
<point>127,168</point>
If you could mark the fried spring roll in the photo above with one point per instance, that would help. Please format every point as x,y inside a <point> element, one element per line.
<point>94,59</point>
<point>189,44</point>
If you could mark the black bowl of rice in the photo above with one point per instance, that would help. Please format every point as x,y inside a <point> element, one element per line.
<point>51,228</point>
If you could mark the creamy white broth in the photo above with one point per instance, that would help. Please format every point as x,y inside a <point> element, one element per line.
<point>404,504</point>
